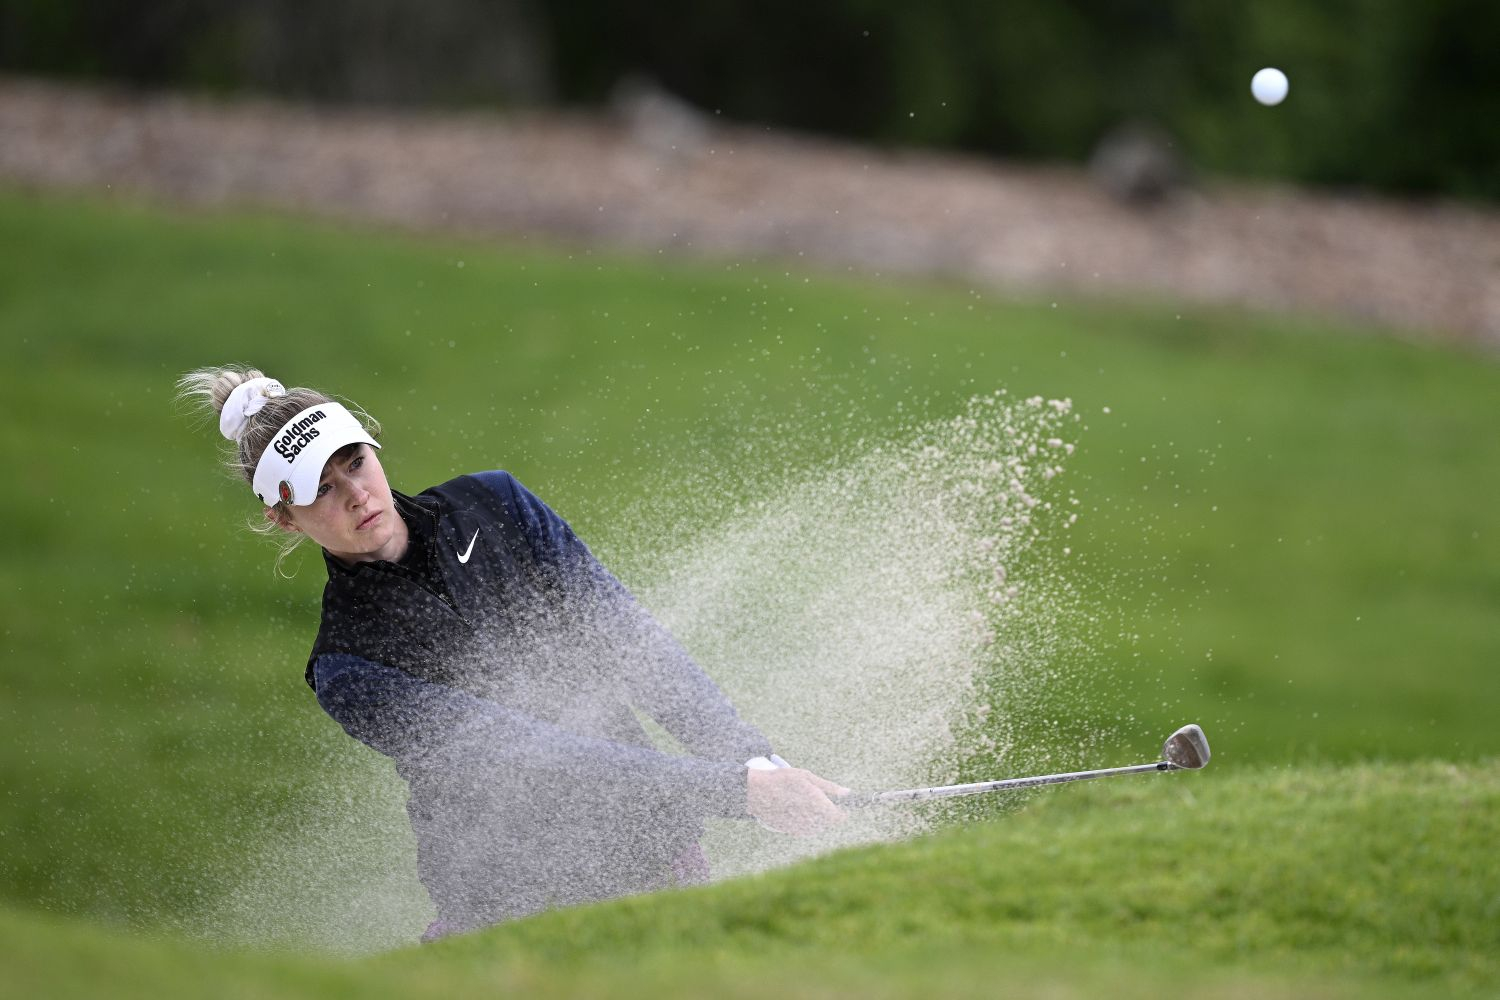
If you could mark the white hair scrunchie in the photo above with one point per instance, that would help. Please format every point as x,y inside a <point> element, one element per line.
<point>244,402</point>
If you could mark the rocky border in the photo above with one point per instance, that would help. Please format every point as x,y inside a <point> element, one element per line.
<point>662,177</point>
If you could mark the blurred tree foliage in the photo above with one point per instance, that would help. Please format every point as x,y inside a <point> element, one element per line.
<point>364,51</point>
<point>1397,95</point>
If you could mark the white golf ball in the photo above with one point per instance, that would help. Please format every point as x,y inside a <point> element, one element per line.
<point>1269,86</point>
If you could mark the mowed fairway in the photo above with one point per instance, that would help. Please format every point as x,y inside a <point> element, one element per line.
<point>1297,523</point>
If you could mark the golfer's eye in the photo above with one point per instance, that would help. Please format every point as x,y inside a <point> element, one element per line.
<point>324,488</point>
<point>356,463</point>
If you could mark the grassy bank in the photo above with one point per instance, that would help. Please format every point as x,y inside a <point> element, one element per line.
<point>1290,882</point>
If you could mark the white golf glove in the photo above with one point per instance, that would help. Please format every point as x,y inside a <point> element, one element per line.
<point>770,763</point>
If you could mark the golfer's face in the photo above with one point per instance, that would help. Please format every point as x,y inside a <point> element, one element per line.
<point>354,517</point>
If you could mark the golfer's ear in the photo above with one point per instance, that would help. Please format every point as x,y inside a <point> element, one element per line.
<point>281,519</point>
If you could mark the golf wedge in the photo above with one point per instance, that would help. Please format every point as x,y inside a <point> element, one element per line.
<point>1185,750</point>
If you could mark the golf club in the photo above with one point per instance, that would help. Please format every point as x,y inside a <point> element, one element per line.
<point>1185,750</point>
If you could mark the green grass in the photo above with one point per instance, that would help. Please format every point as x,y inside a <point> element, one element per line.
<point>1295,519</point>
<point>1360,880</point>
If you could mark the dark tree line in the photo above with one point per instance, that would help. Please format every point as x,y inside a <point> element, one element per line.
<point>1397,95</point>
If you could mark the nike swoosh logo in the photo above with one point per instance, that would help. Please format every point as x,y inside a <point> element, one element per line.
<point>464,556</point>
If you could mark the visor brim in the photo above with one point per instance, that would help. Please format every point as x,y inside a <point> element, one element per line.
<point>296,482</point>
<point>307,469</point>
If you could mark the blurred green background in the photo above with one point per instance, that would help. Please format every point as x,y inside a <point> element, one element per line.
<point>1289,532</point>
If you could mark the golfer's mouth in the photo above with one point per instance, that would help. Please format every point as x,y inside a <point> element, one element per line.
<point>369,521</point>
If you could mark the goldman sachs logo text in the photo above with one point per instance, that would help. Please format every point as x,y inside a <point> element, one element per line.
<point>297,435</point>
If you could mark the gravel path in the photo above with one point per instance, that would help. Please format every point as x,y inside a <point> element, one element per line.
<point>666,179</point>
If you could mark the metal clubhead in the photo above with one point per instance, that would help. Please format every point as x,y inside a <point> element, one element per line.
<point>1187,748</point>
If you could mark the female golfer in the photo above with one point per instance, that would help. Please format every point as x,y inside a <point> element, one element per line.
<point>471,637</point>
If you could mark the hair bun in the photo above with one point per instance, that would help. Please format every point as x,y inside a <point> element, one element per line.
<point>244,402</point>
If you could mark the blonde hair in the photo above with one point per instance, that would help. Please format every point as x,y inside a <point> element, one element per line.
<point>207,389</point>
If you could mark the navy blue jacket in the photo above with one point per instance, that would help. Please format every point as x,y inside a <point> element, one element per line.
<point>501,667</point>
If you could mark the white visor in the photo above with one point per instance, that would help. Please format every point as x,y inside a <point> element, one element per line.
<point>291,467</point>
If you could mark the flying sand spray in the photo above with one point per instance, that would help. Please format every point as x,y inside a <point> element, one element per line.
<point>883,618</point>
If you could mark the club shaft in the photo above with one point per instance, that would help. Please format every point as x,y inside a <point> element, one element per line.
<point>980,787</point>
